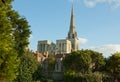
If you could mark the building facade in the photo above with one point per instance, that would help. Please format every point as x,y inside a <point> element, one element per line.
<point>62,46</point>
<point>46,46</point>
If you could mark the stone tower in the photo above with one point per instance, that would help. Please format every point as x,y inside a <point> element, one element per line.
<point>72,34</point>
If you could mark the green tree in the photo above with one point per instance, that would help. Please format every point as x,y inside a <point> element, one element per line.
<point>37,75</point>
<point>27,67</point>
<point>98,61</point>
<point>81,66</point>
<point>21,31</point>
<point>51,62</point>
<point>14,38</point>
<point>113,66</point>
<point>8,55</point>
<point>78,61</point>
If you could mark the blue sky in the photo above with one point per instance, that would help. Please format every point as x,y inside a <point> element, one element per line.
<point>97,22</point>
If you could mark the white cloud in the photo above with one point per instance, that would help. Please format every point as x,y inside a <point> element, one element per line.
<point>112,3</point>
<point>93,3</point>
<point>89,3</point>
<point>107,50</point>
<point>116,4</point>
<point>82,40</point>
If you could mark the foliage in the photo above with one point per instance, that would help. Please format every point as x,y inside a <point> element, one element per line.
<point>47,80</point>
<point>14,32</point>
<point>51,63</point>
<point>98,61</point>
<point>113,66</point>
<point>37,75</point>
<point>21,31</point>
<point>81,66</point>
<point>27,67</point>
<point>78,61</point>
<point>79,77</point>
<point>14,39</point>
<point>20,35</point>
<point>8,55</point>
<point>107,78</point>
<point>69,76</point>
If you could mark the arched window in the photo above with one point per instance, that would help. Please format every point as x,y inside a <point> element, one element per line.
<point>73,36</point>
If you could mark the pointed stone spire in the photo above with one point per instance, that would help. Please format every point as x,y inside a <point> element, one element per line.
<point>72,34</point>
<point>72,31</point>
<point>72,23</point>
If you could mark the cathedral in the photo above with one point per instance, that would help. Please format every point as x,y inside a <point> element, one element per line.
<point>62,46</point>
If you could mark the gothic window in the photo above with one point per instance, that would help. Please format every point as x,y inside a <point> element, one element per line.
<point>73,36</point>
<point>40,47</point>
<point>73,46</point>
<point>62,46</point>
<point>59,45</point>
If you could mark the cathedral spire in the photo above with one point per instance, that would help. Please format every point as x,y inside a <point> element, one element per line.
<point>72,23</point>
<point>72,31</point>
<point>72,34</point>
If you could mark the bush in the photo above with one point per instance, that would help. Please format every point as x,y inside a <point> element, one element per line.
<point>79,77</point>
<point>107,78</point>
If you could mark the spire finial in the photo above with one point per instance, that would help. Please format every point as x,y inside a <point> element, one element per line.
<point>72,9</point>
